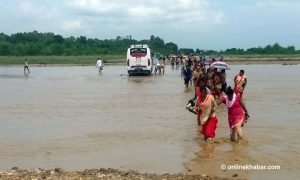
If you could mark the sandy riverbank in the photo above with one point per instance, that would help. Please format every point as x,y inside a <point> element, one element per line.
<point>58,173</point>
<point>229,59</point>
<point>283,61</point>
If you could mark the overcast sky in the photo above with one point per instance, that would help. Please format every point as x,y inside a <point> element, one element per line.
<point>203,24</point>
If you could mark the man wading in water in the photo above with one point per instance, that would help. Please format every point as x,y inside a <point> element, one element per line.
<point>187,75</point>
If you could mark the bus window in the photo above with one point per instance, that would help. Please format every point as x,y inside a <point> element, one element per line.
<point>138,52</point>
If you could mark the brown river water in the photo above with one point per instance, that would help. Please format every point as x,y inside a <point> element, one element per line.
<point>73,118</point>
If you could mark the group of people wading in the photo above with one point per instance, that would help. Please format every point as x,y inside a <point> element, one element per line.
<point>211,90</point>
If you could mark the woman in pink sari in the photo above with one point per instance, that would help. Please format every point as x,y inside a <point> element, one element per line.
<point>237,113</point>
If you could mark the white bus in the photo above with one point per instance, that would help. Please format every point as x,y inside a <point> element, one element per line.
<point>139,60</point>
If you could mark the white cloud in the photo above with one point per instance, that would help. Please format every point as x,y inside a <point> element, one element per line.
<point>284,6</point>
<point>95,7</point>
<point>142,18</point>
<point>219,18</point>
<point>72,25</point>
<point>26,7</point>
<point>143,11</point>
<point>186,3</point>
<point>37,11</point>
<point>157,12</point>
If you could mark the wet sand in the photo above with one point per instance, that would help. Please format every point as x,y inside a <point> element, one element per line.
<point>72,118</point>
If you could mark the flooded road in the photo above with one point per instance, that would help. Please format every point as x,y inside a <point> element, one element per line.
<point>70,117</point>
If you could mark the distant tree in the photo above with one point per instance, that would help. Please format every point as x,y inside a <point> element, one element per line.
<point>210,52</point>
<point>3,37</point>
<point>156,43</point>
<point>186,51</point>
<point>58,39</point>
<point>172,47</point>
<point>5,49</point>
<point>291,50</point>
<point>81,40</point>
<point>118,38</point>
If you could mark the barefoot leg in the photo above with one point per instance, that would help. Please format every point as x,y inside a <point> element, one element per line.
<point>233,134</point>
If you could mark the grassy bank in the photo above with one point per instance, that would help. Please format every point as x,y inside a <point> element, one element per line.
<point>91,60</point>
<point>264,56</point>
<point>84,60</point>
<point>263,59</point>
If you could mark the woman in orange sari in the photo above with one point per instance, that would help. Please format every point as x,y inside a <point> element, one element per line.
<point>207,120</point>
<point>240,82</point>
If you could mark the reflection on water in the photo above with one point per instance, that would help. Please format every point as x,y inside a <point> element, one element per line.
<point>73,118</point>
<point>11,76</point>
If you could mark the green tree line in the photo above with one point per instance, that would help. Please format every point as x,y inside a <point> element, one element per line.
<point>45,44</point>
<point>36,43</point>
<point>269,49</point>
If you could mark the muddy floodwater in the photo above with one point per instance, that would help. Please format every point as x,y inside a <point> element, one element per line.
<point>73,118</point>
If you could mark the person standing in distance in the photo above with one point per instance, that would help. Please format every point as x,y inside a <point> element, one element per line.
<point>99,65</point>
<point>26,66</point>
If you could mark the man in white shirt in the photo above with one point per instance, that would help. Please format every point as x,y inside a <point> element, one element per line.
<point>99,65</point>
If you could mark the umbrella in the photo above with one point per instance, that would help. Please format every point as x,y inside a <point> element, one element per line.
<point>220,65</point>
<point>207,62</point>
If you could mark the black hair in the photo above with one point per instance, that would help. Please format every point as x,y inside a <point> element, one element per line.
<point>242,71</point>
<point>229,91</point>
<point>201,79</point>
<point>203,88</point>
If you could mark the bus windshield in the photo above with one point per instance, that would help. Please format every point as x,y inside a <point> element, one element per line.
<point>138,52</point>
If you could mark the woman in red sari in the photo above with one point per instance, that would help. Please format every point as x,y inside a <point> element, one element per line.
<point>237,113</point>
